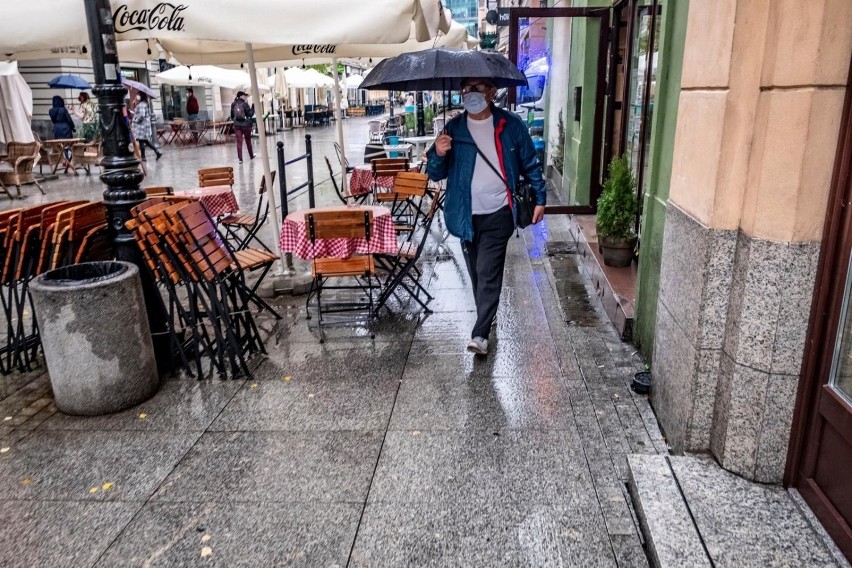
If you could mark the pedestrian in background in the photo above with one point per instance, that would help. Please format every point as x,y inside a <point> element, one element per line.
<point>191,105</point>
<point>241,114</point>
<point>63,126</point>
<point>142,130</point>
<point>87,112</point>
<point>482,153</point>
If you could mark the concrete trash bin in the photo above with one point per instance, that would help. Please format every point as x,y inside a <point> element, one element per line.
<point>95,335</point>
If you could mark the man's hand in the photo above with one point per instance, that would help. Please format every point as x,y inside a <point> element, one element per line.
<point>443,144</point>
<point>538,213</point>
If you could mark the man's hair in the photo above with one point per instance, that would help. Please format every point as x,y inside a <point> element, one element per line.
<point>485,80</point>
<point>189,90</point>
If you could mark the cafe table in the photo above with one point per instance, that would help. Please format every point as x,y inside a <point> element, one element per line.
<point>361,180</point>
<point>218,199</point>
<point>420,142</point>
<point>294,235</point>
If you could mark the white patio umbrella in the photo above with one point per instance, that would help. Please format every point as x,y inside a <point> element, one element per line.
<point>16,105</point>
<point>188,31</point>
<point>264,23</point>
<point>352,81</point>
<point>206,75</point>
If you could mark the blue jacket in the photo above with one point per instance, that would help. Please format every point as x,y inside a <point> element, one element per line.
<point>517,156</point>
<point>63,126</point>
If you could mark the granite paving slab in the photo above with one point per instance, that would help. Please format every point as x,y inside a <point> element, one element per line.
<point>275,467</point>
<point>745,523</point>
<point>236,534</point>
<point>480,466</point>
<point>59,533</point>
<point>347,404</point>
<point>506,358</point>
<point>180,405</point>
<point>315,362</point>
<point>494,533</point>
<point>456,402</point>
<point>77,466</point>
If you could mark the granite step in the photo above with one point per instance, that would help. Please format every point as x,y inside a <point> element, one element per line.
<point>694,513</point>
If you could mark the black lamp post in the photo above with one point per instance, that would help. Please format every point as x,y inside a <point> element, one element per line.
<point>120,168</point>
<point>121,172</point>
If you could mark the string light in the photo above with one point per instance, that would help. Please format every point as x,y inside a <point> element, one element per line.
<point>190,71</point>
<point>149,46</point>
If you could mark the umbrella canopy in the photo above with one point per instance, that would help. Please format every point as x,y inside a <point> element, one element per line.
<point>304,23</point>
<point>68,82</point>
<point>352,81</point>
<point>298,78</point>
<point>131,84</point>
<point>442,69</point>
<point>16,105</point>
<point>206,76</point>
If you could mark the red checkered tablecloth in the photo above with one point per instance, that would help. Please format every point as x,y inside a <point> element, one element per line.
<point>218,199</point>
<point>294,236</point>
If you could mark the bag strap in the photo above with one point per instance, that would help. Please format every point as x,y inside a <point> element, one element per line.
<point>490,165</point>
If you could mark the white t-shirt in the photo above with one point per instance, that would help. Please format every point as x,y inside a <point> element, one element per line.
<point>487,189</point>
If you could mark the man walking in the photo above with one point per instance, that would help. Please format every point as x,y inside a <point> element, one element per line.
<point>479,152</point>
<point>241,114</point>
<point>191,105</point>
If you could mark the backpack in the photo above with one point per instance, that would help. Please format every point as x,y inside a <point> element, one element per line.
<point>238,110</point>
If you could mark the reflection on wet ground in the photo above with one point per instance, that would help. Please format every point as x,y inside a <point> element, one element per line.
<point>398,451</point>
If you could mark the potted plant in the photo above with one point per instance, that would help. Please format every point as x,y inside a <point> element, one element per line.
<point>616,214</point>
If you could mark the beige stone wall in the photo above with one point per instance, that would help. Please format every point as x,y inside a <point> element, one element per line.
<point>762,92</point>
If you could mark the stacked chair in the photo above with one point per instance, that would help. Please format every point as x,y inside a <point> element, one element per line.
<point>208,298</point>
<point>33,240</point>
<point>384,167</point>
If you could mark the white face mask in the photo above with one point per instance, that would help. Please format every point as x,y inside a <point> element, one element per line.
<point>138,98</point>
<point>474,102</point>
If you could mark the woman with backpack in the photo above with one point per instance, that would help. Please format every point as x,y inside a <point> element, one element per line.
<point>241,114</point>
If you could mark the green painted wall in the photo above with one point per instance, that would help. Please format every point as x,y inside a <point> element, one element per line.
<point>585,35</point>
<point>664,121</point>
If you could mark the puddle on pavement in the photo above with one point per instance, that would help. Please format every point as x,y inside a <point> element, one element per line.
<point>579,304</point>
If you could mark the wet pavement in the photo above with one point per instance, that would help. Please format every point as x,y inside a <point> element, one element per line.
<point>403,450</point>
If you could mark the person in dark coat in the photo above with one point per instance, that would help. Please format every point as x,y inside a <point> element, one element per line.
<point>63,126</point>
<point>241,114</point>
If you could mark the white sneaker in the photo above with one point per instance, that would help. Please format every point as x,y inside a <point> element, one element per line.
<point>478,345</point>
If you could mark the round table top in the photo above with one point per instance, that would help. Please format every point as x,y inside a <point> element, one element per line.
<point>299,216</point>
<point>413,166</point>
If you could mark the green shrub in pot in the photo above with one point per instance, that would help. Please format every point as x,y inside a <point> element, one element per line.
<point>617,214</point>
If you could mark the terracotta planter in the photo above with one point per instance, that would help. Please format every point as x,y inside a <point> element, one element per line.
<point>617,252</point>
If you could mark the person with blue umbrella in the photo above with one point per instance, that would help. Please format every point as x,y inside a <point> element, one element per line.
<point>63,126</point>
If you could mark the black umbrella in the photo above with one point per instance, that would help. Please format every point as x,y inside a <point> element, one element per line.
<point>442,69</point>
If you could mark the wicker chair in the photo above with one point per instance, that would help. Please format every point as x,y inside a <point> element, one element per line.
<point>50,155</point>
<point>22,157</point>
<point>86,155</point>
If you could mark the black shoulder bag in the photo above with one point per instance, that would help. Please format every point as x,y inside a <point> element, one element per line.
<point>523,198</point>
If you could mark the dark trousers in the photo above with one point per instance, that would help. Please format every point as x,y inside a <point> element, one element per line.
<point>241,132</point>
<point>485,256</point>
<point>142,144</point>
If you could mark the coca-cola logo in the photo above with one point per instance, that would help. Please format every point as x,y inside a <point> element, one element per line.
<point>313,49</point>
<point>163,16</point>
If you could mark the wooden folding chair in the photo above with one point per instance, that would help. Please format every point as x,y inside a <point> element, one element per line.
<point>386,167</point>
<point>405,198</point>
<point>209,177</point>
<point>159,190</point>
<point>402,270</point>
<point>243,228</point>
<point>341,225</point>
<point>344,198</point>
